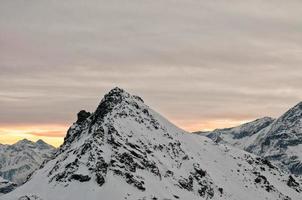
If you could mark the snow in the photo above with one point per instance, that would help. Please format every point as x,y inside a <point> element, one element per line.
<point>295,151</point>
<point>125,138</point>
<point>243,135</point>
<point>19,160</point>
<point>278,140</point>
<point>6,186</point>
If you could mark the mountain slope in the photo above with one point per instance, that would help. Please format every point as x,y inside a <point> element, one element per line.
<point>21,159</point>
<point>240,136</point>
<point>6,186</point>
<point>278,140</point>
<point>282,141</point>
<point>125,150</point>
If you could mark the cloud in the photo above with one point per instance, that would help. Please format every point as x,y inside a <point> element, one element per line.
<point>51,133</point>
<point>190,60</point>
<point>48,133</point>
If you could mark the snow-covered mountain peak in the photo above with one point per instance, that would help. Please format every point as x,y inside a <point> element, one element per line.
<point>119,99</point>
<point>24,142</point>
<point>19,160</point>
<point>278,140</point>
<point>239,136</point>
<point>40,144</point>
<point>291,120</point>
<point>282,140</point>
<point>294,111</point>
<point>298,106</point>
<point>116,103</point>
<point>124,144</point>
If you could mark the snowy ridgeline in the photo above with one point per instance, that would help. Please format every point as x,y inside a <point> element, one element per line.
<point>279,140</point>
<point>125,150</point>
<point>19,160</point>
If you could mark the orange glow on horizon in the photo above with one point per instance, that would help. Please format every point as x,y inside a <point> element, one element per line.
<point>50,133</point>
<point>54,134</point>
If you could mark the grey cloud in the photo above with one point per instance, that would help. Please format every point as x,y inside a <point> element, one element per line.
<point>188,59</point>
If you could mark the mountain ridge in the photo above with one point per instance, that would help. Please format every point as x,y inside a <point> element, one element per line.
<point>126,144</point>
<point>21,159</point>
<point>279,140</point>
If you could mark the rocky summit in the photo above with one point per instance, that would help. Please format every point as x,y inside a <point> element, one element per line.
<point>126,150</point>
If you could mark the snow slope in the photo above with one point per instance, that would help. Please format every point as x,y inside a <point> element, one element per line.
<point>6,186</point>
<point>240,136</point>
<point>19,160</point>
<point>281,141</point>
<point>125,150</point>
<point>278,140</point>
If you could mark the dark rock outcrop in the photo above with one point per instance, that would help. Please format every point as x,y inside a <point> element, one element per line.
<point>82,116</point>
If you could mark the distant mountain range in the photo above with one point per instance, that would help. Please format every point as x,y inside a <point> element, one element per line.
<point>19,160</point>
<point>126,150</point>
<point>278,140</point>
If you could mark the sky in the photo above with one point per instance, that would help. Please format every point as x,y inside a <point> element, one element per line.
<point>203,64</point>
